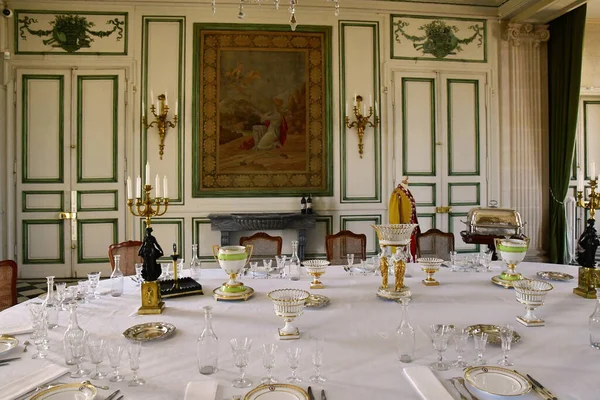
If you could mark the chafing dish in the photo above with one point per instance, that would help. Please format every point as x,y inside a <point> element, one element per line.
<point>494,221</point>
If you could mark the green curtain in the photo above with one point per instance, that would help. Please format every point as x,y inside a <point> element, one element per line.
<point>565,50</point>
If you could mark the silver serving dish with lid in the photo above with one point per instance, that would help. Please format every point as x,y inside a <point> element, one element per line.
<point>494,221</point>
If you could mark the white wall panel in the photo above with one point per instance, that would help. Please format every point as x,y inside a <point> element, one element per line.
<point>463,108</point>
<point>418,111</point>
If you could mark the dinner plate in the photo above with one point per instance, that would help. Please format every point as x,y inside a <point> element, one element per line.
<point>278,391</point>
<point>555,276</point>
<point>316,301</point>
<point>67,391</point>
<point>7,343</point>
<point>497,380</point>
<point>493,332</point>
<point>149,331</point>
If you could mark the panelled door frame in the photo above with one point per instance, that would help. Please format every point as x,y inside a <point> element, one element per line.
<point>98,208</point>
<point>445,183</point>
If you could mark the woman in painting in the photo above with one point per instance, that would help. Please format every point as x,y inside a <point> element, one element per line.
<point>272,132</point>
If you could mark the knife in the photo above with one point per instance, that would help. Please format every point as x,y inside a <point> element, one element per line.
<point>323,397</point>
<point>10,359</point>
<point>311,396</point>
<point>542,388</point>
<point>112,395</point>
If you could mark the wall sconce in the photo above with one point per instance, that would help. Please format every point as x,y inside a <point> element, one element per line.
<point>160,111</point>
<point>361,120</point>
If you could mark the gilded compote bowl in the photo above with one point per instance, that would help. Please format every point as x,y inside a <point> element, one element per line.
<point>512,252</point>
<point>316,268</point>
<point>532,294</point>
<point>232,259</point>
<point>289,304</point>
<point>430,266</point>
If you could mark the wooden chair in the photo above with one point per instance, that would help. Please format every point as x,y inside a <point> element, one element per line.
<point>265,246</point>
<point>341,244</point>
<point>435,243</point>
<point>8,284</point>
<point>129,256</point>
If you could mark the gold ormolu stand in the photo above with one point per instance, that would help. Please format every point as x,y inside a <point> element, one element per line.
<point>588,278</point>
<point>151,300</point>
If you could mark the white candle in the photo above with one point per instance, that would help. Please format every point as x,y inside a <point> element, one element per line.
<point>364,109</point>
<point>165,188</point>
<point>157,186</point>
<point>354,98</point>
<point>151,96</point>
<point>370,101</point>
<point>138,188</point>
<point>129,188</point>
<point>143,110</point>
<point>158,111</point>
<point>147,173</point>
<point>176,106</point>
<point>592,170</point>
<point>580,181</point>
<point>166,96</point>
<point>346,108</point>
<point>376,111</point>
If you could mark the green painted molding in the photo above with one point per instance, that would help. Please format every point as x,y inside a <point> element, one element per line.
<point>432,216</point>
<point>80,239</point>
<point>373,218</point>
<point>196,222</point>
<point>26,223</point>
<point>328,221</point>
<point>585,138</point>
<point>405,171</point>
<point>475,84</point>
<point>114,79</point>
<point>125,16</point>
<point>167,247</point>
<point>477,200</point>
<point>115,206</point>
<point>376,198</point>
<point>146,21</point>
<point>433,194</point>
<point>26,193</point>
<point>197,122</point>
<point>25,128</point>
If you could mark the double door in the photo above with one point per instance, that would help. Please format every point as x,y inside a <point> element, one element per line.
<point>440,130</point>
<point>70,129</point>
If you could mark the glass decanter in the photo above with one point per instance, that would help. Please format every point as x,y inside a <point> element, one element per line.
<point>405,335</point>
<point>74,331</point>
<point>595,323</point>
<point>208,346</point>
<point>294,262</point>
<point>116,279</point>
<point>195,264</point>
<point>51,303</point>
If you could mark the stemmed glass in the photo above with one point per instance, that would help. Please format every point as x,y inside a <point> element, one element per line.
<point>268,359</point>
<point>96,349</point>
<point>40,328</point>
<point>241,351</point>
<point>267,264</point>
<point>460,344</point>
<point>82,290</point>
<point>253,266</point>
<point>61,293</point>
<point>317,358</point>
<point>114,352</point>
<point>350,258</point>
<point>480,344</point>
<point>293,358</point>
<point>94,278</point>
<point>440,334</point>
<point>77,346</point>
<point>506,335</point>
<point>134,349</point>
<point>281,264</point>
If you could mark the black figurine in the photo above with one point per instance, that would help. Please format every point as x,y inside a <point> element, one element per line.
<point>150,251</point>
<point>586,246</point>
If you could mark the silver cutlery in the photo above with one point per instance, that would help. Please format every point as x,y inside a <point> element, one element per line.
<point>94,385</point>
<point>542,389</point>
<point>6,360</point>
<point>461,381</point>
<point>455,384</point>
<point>120,398</point>
<point>323,397</point>
<point>311,396</point>
<point>25,343</point>
<point>113,394</point>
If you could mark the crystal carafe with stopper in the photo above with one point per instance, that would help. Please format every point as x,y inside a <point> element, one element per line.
<point>294,262</point>
<point>595,323</point>
<point>405,334</point>
<point>116,279</point>
<point>195,264</point>
<point>208,346</point>
<point>73,332</point>
<point>51,303</point>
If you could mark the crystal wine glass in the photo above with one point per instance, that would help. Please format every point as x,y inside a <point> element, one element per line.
<point>83,291</point>
<point>350,258</point>
<point>268,359</point>
<point>77,346</point>
<point>281,264</point>
<point>253,266</point>
<point>96,349</point>
<point>506,335</point>
<point>39,321</point>
<point>114,352</point>
<point>94,278</point>
<point>134,349</point>
<point>460,345</point>
<point>440,334</point>
<point>480,344</point>
<point>241,351</point>
<point>61,292</point>
<point>293,358</point>
<point>317,359</point>
<point>267,264</point>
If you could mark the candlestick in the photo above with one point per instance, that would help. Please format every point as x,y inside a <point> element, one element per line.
<point>157,186</point>
<point>165,188</point>
<point>129,188</point>
<point>138,187</point>
<point>148,207</point>
<point>361,120</point>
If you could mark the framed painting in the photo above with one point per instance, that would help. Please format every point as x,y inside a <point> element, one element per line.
<point>262,111</point>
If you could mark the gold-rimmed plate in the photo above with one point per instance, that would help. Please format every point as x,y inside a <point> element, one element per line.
<point>277,391</point>
<point>497,381</point>
<point>555,276</point>
<point>316,301</point>
<point>67,391</point>
<point>7,343</point>
<point>493,332</point>
<point>149,331</point>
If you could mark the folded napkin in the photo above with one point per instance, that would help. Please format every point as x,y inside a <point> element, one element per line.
<point>426,383</point>
<point>15,382</point>
<point>201,390</point>
<point>16,329</point>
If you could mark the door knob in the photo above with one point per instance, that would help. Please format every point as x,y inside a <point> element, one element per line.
<point>443,210</point>
<point>67,215</point>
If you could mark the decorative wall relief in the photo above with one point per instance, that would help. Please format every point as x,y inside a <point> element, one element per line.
<point>435,38</point>
<point>262,109</point>
<point>70,32</point>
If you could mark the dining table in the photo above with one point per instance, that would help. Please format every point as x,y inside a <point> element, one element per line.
<point>358,327</point>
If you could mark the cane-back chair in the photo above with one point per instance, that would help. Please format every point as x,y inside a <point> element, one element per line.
<point>341,244</point>
<point>265,246</point>
<point>435,243</point>
<point>8,284</point>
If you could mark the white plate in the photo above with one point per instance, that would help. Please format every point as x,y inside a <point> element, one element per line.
<point>278,391</point>
<point>7,343</point>
<point>498,381</point>
<point>67,391</point>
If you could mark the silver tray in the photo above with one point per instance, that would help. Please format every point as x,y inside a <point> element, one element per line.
<point>149,331</point>
<point>493,332</point>
<point>316,301</point>
<point>555,276</point>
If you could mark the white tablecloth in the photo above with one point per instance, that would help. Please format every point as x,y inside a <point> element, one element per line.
<point>358,327</point>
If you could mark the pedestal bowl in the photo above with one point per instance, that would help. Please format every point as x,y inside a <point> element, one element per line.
<point>532,294</point>
<point>288,304</point>
<point>316,268</point>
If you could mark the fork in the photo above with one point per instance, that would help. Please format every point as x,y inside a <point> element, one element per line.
<point>462,383</point>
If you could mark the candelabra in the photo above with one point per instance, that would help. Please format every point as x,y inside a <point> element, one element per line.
<point>593,203</point>
<point>589,275</point>
<point>160,111</point>
<point>148,211</point>
<point>362,121</point>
